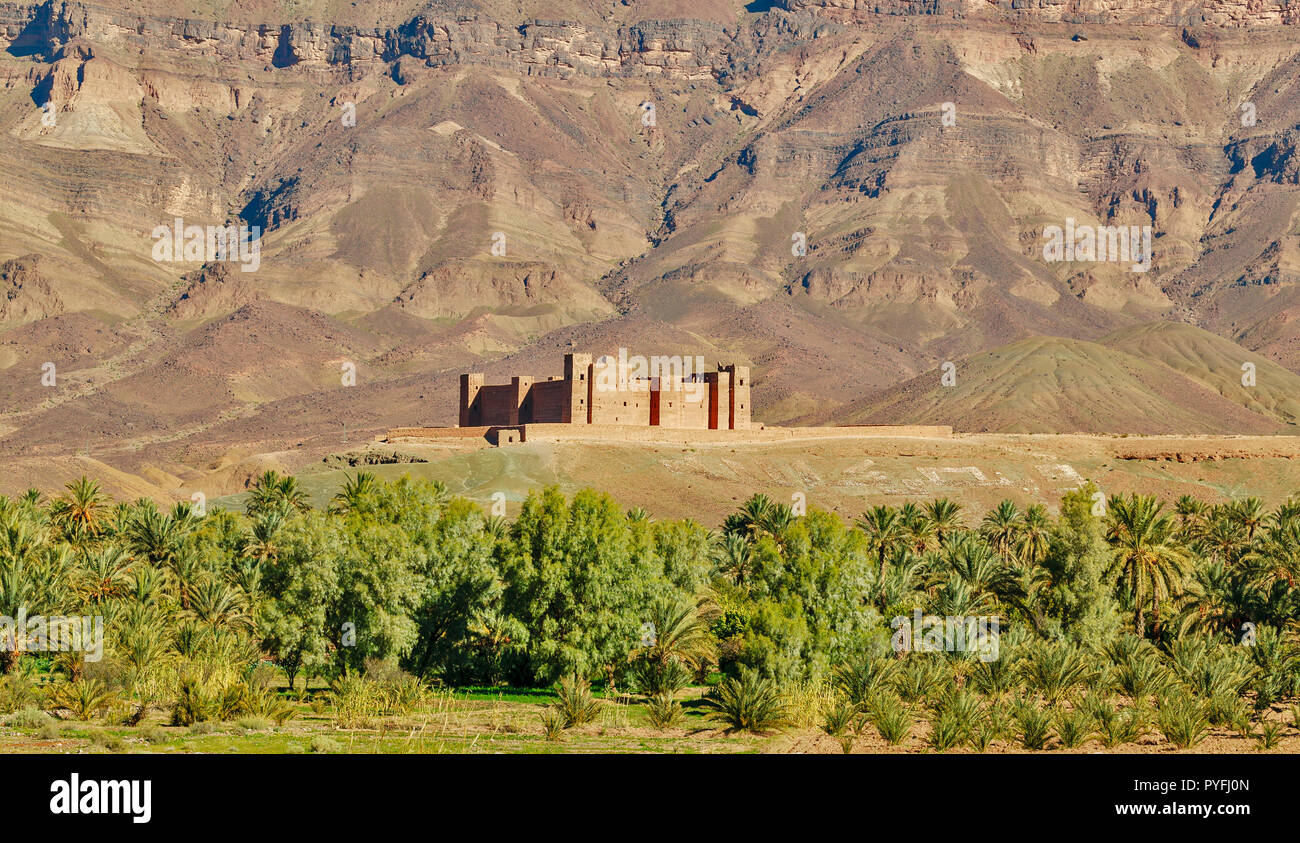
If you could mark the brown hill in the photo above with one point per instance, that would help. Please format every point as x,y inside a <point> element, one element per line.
<point>1156,378</point>
<point>842,195</point>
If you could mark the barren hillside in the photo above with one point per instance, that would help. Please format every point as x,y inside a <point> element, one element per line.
<point>845,195</point>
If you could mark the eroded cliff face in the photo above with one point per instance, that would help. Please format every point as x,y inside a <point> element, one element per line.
<point>1211,13</point>
<point>677,48</point>
<point>814,187</point>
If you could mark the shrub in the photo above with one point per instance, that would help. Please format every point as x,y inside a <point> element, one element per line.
<point>1211,669</point>
<point>656,678</point>
<point>1033,726</point>
<point>253,724</point>
<point>891,718</point>
<point>268,705</point>
<point>1141,676</point>
<point>1095,706</point>
<point>1182,720</point>
<point>946,732</point>
<point>84,698</point>
<point>324,745</point>
<point>402,695</point>
<point>1226,709</point>
<point>749,703</point>
<point>994,678</point>
<point>920,677</point>
<point>862,679</point>
<point>1056,669</point>
<point>839,719</point>
<point>49,731</point>
<point>193,703</point>
<point>1074,728</point>
<point>552,724</point>
<point>982,736</point>
<point>357,701</point>
<point>28,718</point>
<point>1000,723</point>
<point>1124,647</point>
<point>1127,726</point>
<point>154,734</point>
<point>16,692</point>
<point>665,712</point>
<point>963,706</point>
<point>1270,734</point>
<point>111,742</point>
<point>807,703</point>
<point>576,704</point>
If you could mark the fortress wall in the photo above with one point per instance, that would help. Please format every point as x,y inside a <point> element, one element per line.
<point>627,403</point>
<point>498,405</point>
<point>612,432</point>
<point>625,433</point>
<point>476,432</point>
<point>548,403</point>
<point>684,405</point>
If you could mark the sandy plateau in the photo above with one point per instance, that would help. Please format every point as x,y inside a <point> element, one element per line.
<point>708,480</point>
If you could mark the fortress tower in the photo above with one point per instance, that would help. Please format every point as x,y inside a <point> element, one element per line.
<point>739,399</point>
<point>577,379</point>
<point>471,408</point>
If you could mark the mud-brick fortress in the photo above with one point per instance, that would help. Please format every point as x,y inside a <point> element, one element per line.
<point>603,392</point>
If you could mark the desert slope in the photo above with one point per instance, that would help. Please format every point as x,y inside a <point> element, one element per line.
<point>796,201</point>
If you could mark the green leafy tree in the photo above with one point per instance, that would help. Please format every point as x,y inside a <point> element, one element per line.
<point>575,585</point>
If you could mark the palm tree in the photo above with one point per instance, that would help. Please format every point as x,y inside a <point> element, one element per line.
<point>903,576</point>
<point>273,490</point>
<point>754,517</point>
<point>156,537</point>
<point>778,520</point>
<point>17,592</point>
<point>1002,526</point>
<point>920,529</point>
<point>1249,513</point>
<point>1150,561</point>
<point>1286,512</point>
<point>144,639</point>
<point>679,635</point>
<point>216,604</point>
<point>734,557</point>
<point>1278,552</point>
<point>84,698</point>
<point>1035,535</point>
<point>104,574</point>
<point>884,528</point>
<point>357,495</point>
<point>977,564</point>
<point>260,543</point>
<point>78,512</point>
<point>945,514</point>
<point>185,571</point>
<point>1191,510</point>
<point>1220,536</point>
<point>1220,599</point>
<point>496,527</point>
